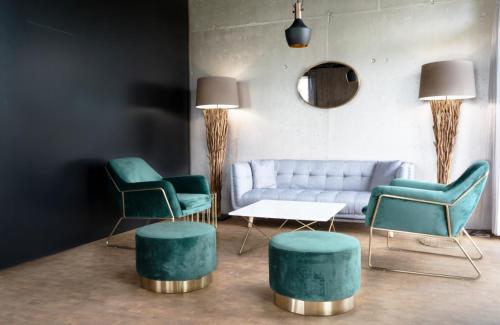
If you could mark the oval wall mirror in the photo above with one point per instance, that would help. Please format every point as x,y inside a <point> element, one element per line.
<point>328,85</point>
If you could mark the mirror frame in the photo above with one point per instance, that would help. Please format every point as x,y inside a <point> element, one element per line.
<point>320,63</point>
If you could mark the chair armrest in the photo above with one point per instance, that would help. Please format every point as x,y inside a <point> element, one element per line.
<point>418,184</point>
<point>196,184</point>
<point>408,209</point>
<point>151,199</point>
<point>405,194</point>
<point>410,193</point>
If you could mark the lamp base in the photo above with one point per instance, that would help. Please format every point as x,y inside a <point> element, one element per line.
<point>437,242</point>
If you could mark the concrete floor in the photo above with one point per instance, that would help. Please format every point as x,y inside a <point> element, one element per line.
<point>92,284</point>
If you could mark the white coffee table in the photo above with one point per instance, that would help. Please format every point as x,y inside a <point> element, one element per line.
<point>305,213</point>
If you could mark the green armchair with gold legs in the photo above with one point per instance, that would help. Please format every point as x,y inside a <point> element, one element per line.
<point>430,209</point>
<point>144,194</point>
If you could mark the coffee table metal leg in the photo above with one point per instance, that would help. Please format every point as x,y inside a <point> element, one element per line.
<point>262,232</point>
<point>305,225</point>
<point>283,224</point>
<point>251,226</point>
<point>245,240</point>
<point>308,226</point>
<point>332,226</point>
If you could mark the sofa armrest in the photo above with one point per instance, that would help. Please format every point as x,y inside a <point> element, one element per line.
<point>241,182</point>
<point>406,170</point>
<point>196,184</point>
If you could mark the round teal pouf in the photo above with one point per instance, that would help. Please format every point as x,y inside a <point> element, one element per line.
<point>175,257</point>
<point>314,272</point>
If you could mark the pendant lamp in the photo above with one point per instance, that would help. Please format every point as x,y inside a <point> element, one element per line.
<point>298,35</point>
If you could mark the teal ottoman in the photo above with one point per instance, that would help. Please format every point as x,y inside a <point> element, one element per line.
<point>175,257</point>
<point>314,272</point>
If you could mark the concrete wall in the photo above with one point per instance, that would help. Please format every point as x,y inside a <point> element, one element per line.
<point>386,41</point>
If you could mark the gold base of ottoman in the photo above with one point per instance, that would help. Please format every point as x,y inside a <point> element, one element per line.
<point>314,308</point>
<point>159,286</point>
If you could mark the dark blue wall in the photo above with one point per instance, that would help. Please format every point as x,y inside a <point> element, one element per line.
<point>82,82</point>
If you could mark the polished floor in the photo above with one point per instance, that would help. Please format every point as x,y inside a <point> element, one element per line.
<point>92,284</point>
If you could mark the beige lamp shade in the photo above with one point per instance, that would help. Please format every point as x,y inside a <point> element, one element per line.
<point>217,92</point>
<point>447,80</point>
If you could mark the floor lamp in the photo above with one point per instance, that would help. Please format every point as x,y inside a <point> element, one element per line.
<point>446,84</point>
<point>215,95</point>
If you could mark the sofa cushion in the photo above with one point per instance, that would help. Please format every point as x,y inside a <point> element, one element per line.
<point>263,173</point>
<point>354,200</point>
<point>384,173</point>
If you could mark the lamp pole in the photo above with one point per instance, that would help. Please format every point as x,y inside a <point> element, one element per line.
<point>216,125</point>
<point>445,115</point>
<point>215,95</point>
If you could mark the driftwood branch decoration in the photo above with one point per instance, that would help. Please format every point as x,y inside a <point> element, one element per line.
<point>216,123</point>
<point>445,115</point>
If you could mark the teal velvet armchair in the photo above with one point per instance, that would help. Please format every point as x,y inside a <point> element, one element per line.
<point>430,209</point>
<point>142,193</point>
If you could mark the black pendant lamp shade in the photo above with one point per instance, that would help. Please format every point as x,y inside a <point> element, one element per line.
<point>298,35</point>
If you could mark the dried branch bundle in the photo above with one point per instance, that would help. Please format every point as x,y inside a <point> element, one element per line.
<point>445,114</point>
<point>216,121</point>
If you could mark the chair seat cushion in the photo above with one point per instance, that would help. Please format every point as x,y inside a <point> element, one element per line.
<point>355,201</point>
<point>175,251</point>
<point>191,201</point>
<point>314,265</point>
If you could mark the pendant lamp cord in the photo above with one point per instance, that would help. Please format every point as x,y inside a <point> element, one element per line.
<point>301,4</point>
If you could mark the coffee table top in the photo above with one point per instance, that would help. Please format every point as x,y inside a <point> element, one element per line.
<point>292,210</point>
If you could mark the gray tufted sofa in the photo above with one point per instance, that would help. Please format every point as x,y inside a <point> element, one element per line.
<point>339,181</point>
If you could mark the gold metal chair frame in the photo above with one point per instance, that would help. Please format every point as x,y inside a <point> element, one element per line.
<point>208,216</point>
<point>456,239</point>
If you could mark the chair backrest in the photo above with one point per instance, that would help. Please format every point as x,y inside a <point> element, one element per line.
<point>468,189</point>
<point>131,170</point>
